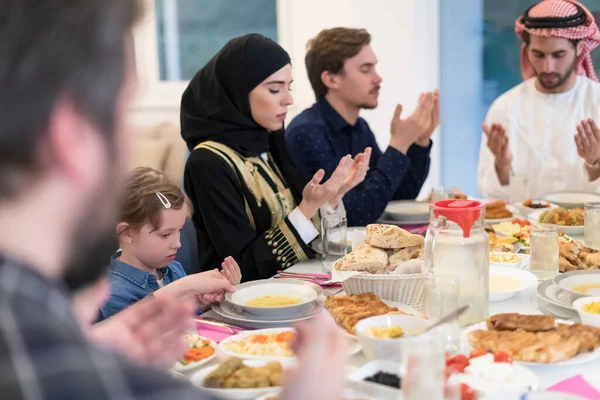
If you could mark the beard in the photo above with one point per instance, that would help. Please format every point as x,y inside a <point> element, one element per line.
<point>560,79</point>
<point>94,240</point>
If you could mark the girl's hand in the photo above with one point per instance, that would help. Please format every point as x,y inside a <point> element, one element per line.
<point>231,271</point>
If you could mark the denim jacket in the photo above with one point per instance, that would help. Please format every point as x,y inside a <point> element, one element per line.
<point>129,284</point>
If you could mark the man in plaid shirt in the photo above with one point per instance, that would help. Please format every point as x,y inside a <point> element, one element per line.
<point>67,77</point>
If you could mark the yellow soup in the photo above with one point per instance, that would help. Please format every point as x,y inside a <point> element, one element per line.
<point>593,307</point>
<point>273,301</point>
<point>586,288</point>
<point>501,284</point>
<point>389,332</point>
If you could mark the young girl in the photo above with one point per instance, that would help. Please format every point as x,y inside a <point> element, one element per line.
<point>151,218</point>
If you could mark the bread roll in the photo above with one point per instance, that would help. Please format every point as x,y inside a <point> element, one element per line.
<point>364,258</point>
<point>392,237</point>
<point>402,255</point>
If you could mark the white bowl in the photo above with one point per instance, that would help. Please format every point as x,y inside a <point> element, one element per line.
<point>522,264</point>
<point>387,349</point>
<point>526,278</point>
<point>306,291</point>
<point>371,368</point>
<point>587,318</point>
<point>568,280</point>
<point>236,394</point>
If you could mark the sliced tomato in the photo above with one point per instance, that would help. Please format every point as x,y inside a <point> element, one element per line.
<point>466,393</point>
<point>477,353</point>
<point>502,357</point>
<point>460,359</point>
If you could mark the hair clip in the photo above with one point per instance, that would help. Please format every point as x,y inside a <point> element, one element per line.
<point>165,202</point>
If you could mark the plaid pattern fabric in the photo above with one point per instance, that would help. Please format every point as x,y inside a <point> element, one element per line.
<point>44,355</point>
<point>588,34</point>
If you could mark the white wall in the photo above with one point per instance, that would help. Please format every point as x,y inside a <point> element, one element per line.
<point>405,39</point>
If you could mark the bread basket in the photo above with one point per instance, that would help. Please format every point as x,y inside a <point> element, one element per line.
<point>407,289</point>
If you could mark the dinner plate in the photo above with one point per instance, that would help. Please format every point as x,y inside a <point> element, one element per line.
<point>569,280</point>
<point>571,199</point>
<point>550,293</point>
<point>353,348</point>
<point>197,380</point>
<point>305,292</point>
<point>569,230</point>
<point>178,367</point>
<point>526,211</point>
<point>510,208</point>
<point>411,211</point>
<point>235,315</point>
<point>578,359</point>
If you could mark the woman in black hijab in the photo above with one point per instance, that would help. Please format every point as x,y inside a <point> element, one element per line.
<point>250,202</point>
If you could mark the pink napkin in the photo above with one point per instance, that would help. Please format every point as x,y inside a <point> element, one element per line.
<point>316,281</point>
<point>215,333</point>
<point>577,386</point>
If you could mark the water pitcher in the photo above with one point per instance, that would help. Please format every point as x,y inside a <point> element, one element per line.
<point>457,245</point>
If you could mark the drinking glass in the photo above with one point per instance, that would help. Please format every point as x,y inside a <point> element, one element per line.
<point>517,188</point>
<point>441,194</point>
<point>424,363</point>
<point>334,240</point>
<point>592,225</point>
<point>544,251</point>
<point>441,298</point>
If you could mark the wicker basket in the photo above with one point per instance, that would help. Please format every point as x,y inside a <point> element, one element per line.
<point>407,289</point>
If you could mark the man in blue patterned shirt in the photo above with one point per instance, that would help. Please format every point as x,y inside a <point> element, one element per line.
<point>341,69</point>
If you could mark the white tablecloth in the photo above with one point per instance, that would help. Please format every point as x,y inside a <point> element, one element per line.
<point>524,303</point>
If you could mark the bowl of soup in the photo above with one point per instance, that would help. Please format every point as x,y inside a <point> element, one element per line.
<point>579,284</point>
<point>588,309</point>
<point>271,299</point>
<point>506,282</point>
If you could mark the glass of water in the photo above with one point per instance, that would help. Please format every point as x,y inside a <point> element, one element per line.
<point>334,240</point>
<point>592,225</point>
<point>441,194</point>
<point>544,251</point>
<point>441,298</point>
<point>424,363</point>
<point>517,188</point>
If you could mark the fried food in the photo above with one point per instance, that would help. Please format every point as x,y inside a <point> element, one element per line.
<point>349,309</point>
<point>540,347</point>
<point>514,321</point>
<point>234,374</point>
<point>574,256</point>
<point>563,217</point>
<point>497,210</point>
<point>535,338</point>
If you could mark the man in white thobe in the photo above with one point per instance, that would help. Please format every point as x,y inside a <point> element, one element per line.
<point>544,129</point>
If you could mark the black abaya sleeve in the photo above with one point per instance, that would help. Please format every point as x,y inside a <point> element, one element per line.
<point>221,217</point>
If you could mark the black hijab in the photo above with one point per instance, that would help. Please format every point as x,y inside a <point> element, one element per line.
<point>215,106</point>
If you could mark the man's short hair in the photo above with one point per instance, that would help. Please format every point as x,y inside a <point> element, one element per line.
<point>329,51</point>
<point>54,49</point>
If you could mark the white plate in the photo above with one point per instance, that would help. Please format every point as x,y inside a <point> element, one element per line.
<point>526,278</point>
<point>307,291</point>
<point>415,212</point>
<point>245,334</point>
<point>353,348</point>
<point>525,211</point>
<point>373,367</point>
<point>571,199</point>
<point>568,280</point>
<point>179,367</point>
<point>550,293</point>
<point>569,230</point>
<point>523,264</point>
<point>510,208</point>
<point>237,315</point>
<point>236,394</point>
<point>578,359</point>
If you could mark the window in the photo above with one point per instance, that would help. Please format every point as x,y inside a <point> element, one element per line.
<point>190,32</point>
